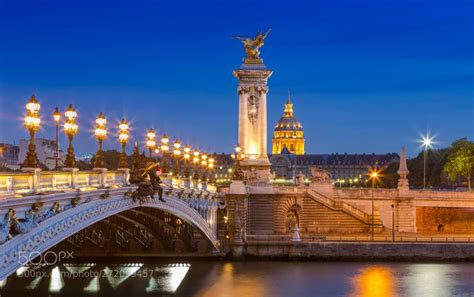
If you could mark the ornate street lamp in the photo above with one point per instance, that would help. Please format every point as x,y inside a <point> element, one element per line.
<point>123,139</point>
<point>203,166</point>
<point>32,124</point>
<point>195,164</point>
<point>186,157</point>
<point>100,133</point>
<point>164,151</point>
<point>70,128</point>
<point>150,141</point>
<point>211,164</point>
<point>57,118</point>
<point>177,156</point>
<point>237,156</point>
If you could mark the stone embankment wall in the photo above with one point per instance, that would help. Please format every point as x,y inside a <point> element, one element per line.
<point>445,220</point>
<point>356,251</point>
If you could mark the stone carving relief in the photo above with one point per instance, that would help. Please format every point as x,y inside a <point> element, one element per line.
<point>320,175</point>
<point>256,176</point>
<point>252,108</point>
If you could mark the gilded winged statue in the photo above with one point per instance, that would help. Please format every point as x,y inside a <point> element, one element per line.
<point>252,45</point>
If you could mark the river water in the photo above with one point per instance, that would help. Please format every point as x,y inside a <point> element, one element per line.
<point>214,279</point>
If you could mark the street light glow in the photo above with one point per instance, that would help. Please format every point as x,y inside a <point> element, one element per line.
<point>426,141</point>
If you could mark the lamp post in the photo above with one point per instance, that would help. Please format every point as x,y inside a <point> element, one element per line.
<point>100,133</point>
<point>57,118</point>
<point>32,124</point>
<point>150,141</point>
<point>212,159</point>
<point>186,157</point>
<point>123,139</point>
<point>70,129</point>
<point>373,175</point>
<point>237,156</point>
<point>177,155</point>
<point>203,166</point>
<point>427,141</point>
<point>164,152</point>
<point>393,222</point>
<point>195,164</point>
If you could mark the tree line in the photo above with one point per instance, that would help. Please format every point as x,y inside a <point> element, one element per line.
<point>446,168</point>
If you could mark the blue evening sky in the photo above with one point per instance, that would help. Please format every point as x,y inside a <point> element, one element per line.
<point>365,76</point>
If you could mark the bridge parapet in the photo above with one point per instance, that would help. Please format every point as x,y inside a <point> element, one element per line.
<point>24,183</point>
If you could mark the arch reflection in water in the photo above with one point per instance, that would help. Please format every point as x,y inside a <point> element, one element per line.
<point>374,281</point>
<point>430,280</point>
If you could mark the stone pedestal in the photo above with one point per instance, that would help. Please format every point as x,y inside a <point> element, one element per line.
<point>102,177</point>
<point>252,90</point>
<point>405,215</point>
<point>35,178</point>
<point>325,188</point>
<point>237,187</point>
<point>73,176</point>
<point>296,234</point>
<point>126,175</point>
<point>237,213</point>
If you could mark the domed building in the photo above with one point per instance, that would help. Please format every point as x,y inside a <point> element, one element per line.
<point>288,133</point>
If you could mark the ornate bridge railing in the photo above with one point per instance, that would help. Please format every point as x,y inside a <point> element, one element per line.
<point>37,212</point>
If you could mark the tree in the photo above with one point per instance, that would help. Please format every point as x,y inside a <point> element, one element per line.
<point>460,161</point>
<point>435,160</point>
<point>111,159</point>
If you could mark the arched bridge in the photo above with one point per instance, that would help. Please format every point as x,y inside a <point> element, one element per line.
<point>37,211</point>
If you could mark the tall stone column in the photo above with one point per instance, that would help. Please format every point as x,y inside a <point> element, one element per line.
<point>405,219</point>
<point>252,91</point>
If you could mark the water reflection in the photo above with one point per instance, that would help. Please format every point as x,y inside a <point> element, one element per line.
<point>431,279</point>
<point>374,281</point>
<point>235,285</point>
<point>214,279</point>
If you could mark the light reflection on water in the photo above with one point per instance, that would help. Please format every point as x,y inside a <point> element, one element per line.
<point>212,279</point>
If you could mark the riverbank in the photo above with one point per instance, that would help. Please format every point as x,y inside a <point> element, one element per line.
<point>364,251</point>
<point>315,251</point>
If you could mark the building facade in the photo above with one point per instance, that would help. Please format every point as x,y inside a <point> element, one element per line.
<point>9,155</point>
<point>45,150</point>
<point>342,167</point>
<point>288,133</point>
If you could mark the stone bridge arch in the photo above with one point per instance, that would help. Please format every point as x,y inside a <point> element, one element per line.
<point>66,223</point>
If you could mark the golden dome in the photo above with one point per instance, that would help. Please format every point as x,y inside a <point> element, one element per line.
<point>288,122</point>
<point>288,133</point>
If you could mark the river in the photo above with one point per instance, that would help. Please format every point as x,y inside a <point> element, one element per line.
<point>239,279</point>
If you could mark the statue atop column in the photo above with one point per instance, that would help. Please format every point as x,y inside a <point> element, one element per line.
<point>252,91</point>
<point>252,46</point>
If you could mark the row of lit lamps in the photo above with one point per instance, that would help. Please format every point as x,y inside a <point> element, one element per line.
<point>33,122</point>
<point>198,159</point>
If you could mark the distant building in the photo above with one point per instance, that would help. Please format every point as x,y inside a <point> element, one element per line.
<point>343,167</point>
<point>85,158</point>
<point>288,132</point>
<point>45,150</point>
<point>9,155</point>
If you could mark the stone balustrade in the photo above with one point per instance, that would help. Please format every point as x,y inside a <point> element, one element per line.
<point>24,183</point>
<point>35,182</point>
<point>390,194</point>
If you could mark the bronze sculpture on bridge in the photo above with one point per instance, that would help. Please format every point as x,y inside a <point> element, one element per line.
<point>252,45</point>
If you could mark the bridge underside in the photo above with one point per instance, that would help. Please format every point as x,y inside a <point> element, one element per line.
<point>141,231</point>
